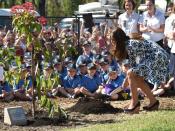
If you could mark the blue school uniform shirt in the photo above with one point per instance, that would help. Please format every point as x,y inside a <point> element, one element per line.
<point>21,83</point>
<point>117,82</point>
<point>30,84</point>
<point>114,64</point>
<point>6,87</point>
<point>69,82</point>
<point>62,74</point>
<point>104,76</point>
<point>86,58</point>
<point>80,74</point>
<point>91,83</point>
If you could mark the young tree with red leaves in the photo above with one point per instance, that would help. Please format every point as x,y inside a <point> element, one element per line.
<point>26,22</point>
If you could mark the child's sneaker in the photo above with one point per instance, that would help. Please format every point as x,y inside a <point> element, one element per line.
<point>69,96</point>
<point>73,96</point>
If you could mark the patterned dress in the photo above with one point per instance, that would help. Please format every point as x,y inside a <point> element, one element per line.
<point>149,60</point>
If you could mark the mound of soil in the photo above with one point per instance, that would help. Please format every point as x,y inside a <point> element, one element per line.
<point>92,106</point>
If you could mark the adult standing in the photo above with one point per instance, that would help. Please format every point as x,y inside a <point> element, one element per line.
<point>152,23</point>
<point>170,35</point>
<point>148,63</point>
<point>128,21</point>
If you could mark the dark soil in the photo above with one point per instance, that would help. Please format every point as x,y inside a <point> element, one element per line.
<point>92,106</point>
<point>81,112</point>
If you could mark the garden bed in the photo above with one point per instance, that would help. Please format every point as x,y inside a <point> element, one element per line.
<point>81,113</point>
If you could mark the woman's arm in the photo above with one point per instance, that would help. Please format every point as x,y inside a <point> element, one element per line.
<point>158,30</point>
<point>125,83</point>
<point>143,28</point>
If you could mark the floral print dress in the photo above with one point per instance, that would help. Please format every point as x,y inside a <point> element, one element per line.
<point>149,60</point>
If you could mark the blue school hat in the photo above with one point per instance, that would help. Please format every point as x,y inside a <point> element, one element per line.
<point>112,69</point>
<point>86,43</point>
<point>57,57</point>
<point>71,66</point>
<point>68,60</point>
<point>82,63</point>
<point>97,57</point>
<point>28,65</point>
<point>47,65</point>
<point>105,53</point>
<point>56,61</point>
<point>103,61</point>
<point>28,55</point>
<point>23,67</point>
<point>91,66</point>
<point>14,65</point>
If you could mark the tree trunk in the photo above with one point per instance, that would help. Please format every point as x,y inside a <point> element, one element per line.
<point>33,1</point>
<point>42,7</point>
<point>33,79</point>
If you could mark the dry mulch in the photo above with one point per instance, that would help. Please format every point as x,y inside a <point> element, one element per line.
<point>81,112</point>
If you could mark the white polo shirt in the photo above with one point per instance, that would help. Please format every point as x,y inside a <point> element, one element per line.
<point>129,23</point>
<point>154,22</point>
<point>169,28</point>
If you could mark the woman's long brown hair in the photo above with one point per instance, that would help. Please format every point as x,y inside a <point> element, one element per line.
<point>120,39</point>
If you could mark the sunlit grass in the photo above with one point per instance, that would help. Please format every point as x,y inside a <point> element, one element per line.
<point>151,121</point>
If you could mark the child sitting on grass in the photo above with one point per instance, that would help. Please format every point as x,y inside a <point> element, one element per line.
<point>161,90</point>
<point>91,82</point>
<point>6,92</point>
<point>22,90</point>
<point>71,83</point>
<point>113,86</point>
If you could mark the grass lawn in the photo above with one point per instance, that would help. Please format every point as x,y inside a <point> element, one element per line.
<point>163,120</point>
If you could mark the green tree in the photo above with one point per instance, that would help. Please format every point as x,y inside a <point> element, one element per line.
<point>67,7</point>
<point>25,22</point>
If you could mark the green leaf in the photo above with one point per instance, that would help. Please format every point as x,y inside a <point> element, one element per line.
<point>18,61</point>
<point>38,27</point>
<point>29,40</point>
<point>49,105</point>
<point>26,83</point>
<point>44,101</point>
<point>52,111</point>
<point>49,84</point>
<point>43,83</point>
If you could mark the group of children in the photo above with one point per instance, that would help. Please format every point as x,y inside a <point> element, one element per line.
<point>18,88</point>
<point>96,78</point>
<point>91,84</point>
<point>92,78</point>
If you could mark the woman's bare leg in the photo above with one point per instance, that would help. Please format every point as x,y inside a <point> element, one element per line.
<point>146,89</point>
<point>135,82</point>
<point>132,80</point>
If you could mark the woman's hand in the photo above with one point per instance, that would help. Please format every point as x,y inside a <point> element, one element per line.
<point>125,83</point>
